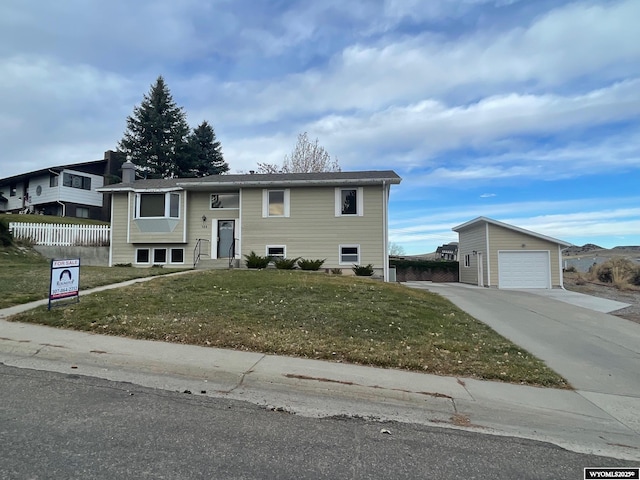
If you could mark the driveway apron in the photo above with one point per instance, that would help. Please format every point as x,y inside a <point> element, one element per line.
<point>596,352</point>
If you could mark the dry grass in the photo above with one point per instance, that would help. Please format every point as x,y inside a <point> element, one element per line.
<point>309,315</point>
<point>24,275</point>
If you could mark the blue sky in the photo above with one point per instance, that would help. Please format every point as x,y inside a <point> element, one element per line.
<point>527,112</point>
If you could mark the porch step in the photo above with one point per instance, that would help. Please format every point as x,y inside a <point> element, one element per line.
<point>216,263</point>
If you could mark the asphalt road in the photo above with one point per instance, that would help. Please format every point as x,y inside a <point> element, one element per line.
<point>66,426</point>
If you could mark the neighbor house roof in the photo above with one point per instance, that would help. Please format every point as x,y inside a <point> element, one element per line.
<point>480,220</point>
<point>372,177</point>
<point>57,169</point>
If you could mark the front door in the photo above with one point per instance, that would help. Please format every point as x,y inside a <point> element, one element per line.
<point>480,270</point>
<point>225,237</point>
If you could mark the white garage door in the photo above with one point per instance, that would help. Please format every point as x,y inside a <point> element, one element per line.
<point>524,270</point>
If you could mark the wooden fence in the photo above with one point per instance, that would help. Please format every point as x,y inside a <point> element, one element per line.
<point>61,235</point>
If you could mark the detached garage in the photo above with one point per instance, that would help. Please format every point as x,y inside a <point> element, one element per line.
<point>496,254</point>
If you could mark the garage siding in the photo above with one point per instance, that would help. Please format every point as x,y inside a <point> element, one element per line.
<point>473,238</point>
<point>504,239</point>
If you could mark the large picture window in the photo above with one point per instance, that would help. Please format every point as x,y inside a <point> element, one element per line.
<point>158,205</point>
<point>349,202</point>
<point>76,181</point>
<point>275,203</point>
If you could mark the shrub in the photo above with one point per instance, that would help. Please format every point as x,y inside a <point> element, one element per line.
<point>363,270</point>
<point>617,270</point>
<point>336,271</point>
<point>122,265</point>
<point>570,269</point>
<point>306,264</point>
<point>285,263</point>
<point>256,261</point>
<point>6,239</point>
<point>635,277</point>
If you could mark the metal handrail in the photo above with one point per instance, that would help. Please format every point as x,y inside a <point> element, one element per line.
<point>232,252</point>
<point>197,251</point>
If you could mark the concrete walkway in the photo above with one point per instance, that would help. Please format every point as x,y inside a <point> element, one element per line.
<point>591,422</point>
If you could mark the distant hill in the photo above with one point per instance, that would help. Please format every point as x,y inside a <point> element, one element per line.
<point>633,248</point>
<point>592,249</point>
<point>576,250</point>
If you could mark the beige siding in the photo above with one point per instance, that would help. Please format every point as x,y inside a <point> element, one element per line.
<point>312,230</point>
<point>121,251</point>
<point>470,240</point>
<point>199,206</point>
<point>501,238</point>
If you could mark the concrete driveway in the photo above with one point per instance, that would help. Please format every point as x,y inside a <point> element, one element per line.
<point>599,354</point>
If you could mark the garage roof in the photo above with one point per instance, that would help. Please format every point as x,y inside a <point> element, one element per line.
<point>478,220</point>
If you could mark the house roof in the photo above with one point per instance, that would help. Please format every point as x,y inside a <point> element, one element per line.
<point>74,166</point>
<point>372,177</point>
<point>480,220</point>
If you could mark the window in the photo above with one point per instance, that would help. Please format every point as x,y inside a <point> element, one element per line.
<point>467,260</point>
<point>53,180</point>
<point>177,255</point>
<point>159,255</point>
<point>76,181</point>
<point>349,254</point>
<point>275,203</point>
<point>225,200</point>
<point>276,251</point>
<point>158,205</point>
<point>349,202</point>
<point>12,190</point>
<point>82,212</point>
<point>142,255</point>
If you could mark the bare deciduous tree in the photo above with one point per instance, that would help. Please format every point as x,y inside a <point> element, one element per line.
<point>306,157</point>
<point>396,249</point>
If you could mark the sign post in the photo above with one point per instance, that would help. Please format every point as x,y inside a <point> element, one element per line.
<point>65,280</point>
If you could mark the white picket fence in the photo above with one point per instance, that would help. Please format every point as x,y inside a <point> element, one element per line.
<point>61,235</point>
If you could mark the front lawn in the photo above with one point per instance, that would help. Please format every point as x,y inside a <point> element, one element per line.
<point>24,275</point>
<point>312,315</point>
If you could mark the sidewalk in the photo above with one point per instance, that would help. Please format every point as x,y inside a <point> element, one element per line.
<point>319,388</point>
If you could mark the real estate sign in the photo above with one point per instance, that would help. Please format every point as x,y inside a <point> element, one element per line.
<point>65,279</point>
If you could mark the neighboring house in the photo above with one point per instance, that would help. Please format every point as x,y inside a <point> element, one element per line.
<point>448,251</point>
<point>493,253</point>
<point>64,191</point>
<point>338,216</point>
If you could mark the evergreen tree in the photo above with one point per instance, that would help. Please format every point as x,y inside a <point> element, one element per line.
<point>157,134</point>
<point>205,153</point>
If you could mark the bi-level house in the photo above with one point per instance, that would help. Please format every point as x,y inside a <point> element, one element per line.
<point>338,216</point>
<point>64,190</point>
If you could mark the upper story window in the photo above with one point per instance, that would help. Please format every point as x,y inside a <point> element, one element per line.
<point>157,205</point>
<point>225,200</point>
<point>275,203</point>
<point>76,181</point>
<point>53,180</point>
<point>349,202</point>
<point>12,190</point>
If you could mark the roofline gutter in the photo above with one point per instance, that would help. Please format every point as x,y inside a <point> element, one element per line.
<point>260,183</point>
